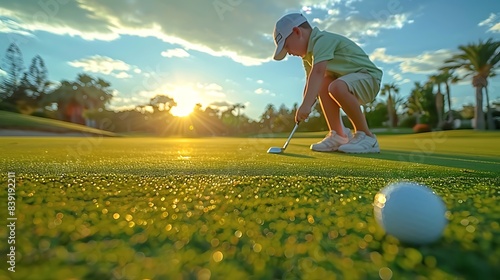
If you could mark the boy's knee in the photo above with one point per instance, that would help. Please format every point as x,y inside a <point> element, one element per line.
<point>337,87</point>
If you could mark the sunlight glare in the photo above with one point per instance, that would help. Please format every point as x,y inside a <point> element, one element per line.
<point>182,110</point>
<point>186,97</point>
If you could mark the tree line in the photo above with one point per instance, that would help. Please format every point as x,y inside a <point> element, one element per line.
<point>86,99</point>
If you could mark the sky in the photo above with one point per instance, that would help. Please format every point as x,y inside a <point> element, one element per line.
<point>219,52</point>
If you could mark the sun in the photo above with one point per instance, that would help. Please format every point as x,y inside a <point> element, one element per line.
<point>182,110</point>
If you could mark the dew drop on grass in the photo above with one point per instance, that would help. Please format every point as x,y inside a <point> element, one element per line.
<point>310,219</point>
<point>470,228</point>
<point>204,274</point>
<point>376,258</point>
<point>385,273</point>
<point>257,247</point>
<point>218,256</point>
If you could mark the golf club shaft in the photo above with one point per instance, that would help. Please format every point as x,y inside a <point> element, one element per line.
<point>293,131</point>
<point>290,137</point>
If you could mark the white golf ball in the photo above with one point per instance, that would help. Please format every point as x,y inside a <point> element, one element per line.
<point>411,212</point>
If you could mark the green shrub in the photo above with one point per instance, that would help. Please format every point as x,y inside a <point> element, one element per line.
<point>40,114</point>
<point>4,106</point>
<point>408,121</point>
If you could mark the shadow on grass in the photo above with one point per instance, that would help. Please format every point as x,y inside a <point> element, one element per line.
<point>469,164</point>
<point>286,154</point>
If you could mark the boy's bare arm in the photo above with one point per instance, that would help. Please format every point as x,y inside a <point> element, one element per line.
<point>314,83</point>
<point>312,89</point>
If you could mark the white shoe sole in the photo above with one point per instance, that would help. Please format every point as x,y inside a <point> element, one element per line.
<point>374,150</point>
<point>324,150</point>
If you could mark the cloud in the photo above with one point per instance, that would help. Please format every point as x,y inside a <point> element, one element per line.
<point>398,77</point>
<point>495,28</point>
<point>213,90</point>
<point>493,22</point>
<point>424,63</point>
<point>380,55</point>
<point>10,26</point>
<point>356,26</point>
<point>237,29</point>
<point>220,104</point>
<point>262,91</point>
<point>104,65</point>
<point>123,75</point>
<point>346,18</point>
<point>175,53</point>
<point>71,18</point>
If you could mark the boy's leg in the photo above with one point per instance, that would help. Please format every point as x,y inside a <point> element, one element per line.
<point>350,91</point>
<point>350,104</point>
<point>331,109</point>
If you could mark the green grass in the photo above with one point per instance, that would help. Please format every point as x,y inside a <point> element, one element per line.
<point>25,122</point>
<point>153,208</point>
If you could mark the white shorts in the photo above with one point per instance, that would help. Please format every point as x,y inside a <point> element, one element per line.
<point>362,85</point>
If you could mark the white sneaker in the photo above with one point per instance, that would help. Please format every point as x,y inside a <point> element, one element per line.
<point>348,132</point>
<point>360,144</point>
<point>330,143</point>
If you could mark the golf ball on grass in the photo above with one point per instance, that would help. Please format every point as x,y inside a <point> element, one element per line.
<point>411,212</point>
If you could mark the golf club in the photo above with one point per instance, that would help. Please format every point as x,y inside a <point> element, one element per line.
<point>278,150</point>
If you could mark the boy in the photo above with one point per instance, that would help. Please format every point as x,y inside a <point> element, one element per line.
<point>339,73</point>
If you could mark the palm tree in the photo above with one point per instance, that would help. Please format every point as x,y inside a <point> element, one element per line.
<point>238,107</point>
<point>447,76</point>
<point>267,118</point>
<point>414,105</point>
<point>387,89</point>
<point>479,60</point>
<point>438,80</point>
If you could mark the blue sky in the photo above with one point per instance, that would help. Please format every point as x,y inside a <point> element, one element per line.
<point>218,52</point>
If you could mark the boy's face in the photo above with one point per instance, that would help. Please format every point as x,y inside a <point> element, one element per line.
<point>296,43</point>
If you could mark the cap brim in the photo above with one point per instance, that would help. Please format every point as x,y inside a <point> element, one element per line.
<point>280,51</point>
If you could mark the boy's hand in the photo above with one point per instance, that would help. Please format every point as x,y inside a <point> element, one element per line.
<point>302,113</point>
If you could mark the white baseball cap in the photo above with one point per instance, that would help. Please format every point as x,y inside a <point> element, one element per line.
<point>283,29</point>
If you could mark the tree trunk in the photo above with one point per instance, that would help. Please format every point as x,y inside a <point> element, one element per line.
<point>450,113</point>
<point>489,114</point>
<point>478,110</point>
<point>479,83</point>
<point>390,106</point>
<point>439,107</point>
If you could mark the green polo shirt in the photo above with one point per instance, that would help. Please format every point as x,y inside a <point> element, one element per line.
<point>343,55</point>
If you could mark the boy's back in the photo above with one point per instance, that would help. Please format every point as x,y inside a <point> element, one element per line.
<point>343,55</point>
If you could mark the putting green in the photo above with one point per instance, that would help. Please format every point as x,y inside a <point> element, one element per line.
<point>222,208</point>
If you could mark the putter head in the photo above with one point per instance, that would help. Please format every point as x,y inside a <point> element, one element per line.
<point>275,150</point>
